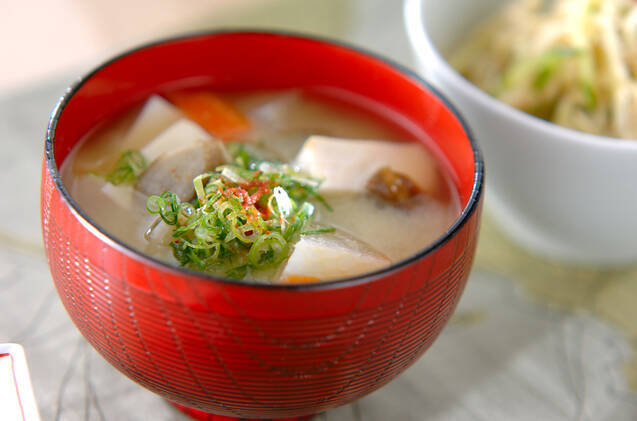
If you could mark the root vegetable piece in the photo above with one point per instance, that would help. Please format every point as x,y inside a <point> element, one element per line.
<point>346,165</point>
<point>219,117</point>
<point>174,170</point>
<point>331,256</point>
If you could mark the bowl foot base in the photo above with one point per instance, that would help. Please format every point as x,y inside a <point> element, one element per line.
<point>198,415</point>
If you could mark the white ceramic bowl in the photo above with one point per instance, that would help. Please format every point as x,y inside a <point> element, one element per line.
<point>556,191</point>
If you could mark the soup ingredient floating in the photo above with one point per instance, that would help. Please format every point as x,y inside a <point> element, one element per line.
<point>193,181</point>
<point>178,154</point>
<point>348,164</point>
<point>572,62</point>
<point>244,218</point>
<point>330,255</point>
<point>220,118</point>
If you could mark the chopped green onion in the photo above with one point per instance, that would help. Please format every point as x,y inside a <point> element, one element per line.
<point>199,186</point>
<point>165,205</point>
<point>298,220</point>
<point>269,250</point>
<point>321,200</point>
<point>283,205</point>
<point>244,218</point>
<point>319,231</point>
<point>235,174</point>
<point>243,155</point>
<point>129,167</point>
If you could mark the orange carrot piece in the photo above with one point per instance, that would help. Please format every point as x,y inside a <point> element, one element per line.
<point>301,279</point>
<point>217,116</point>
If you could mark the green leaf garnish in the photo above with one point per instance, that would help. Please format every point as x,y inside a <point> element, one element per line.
<point>244,216</point>
<point>129,167</point>
<point>319,231</point>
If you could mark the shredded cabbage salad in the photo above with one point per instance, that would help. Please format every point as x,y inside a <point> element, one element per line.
<point>572,62</point>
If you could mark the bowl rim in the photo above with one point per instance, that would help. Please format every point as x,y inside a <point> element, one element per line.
<point>420,41</point>
<point>467,211</point>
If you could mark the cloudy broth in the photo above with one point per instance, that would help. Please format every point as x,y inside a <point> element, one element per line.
<point>277,125</point>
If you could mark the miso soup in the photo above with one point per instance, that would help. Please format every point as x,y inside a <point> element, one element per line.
<point>280,187</point>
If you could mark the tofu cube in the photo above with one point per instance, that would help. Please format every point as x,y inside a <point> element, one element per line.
<point>84,188</point>
<point>122,195</point>
<point>181,134</point>
<point>346,165</point>
<point>156,116</point>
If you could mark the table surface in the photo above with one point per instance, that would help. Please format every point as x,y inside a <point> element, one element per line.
<point>510,352</point>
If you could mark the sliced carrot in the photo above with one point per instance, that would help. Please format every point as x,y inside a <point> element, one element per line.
<point>301,279</point>
<point>216,115</point>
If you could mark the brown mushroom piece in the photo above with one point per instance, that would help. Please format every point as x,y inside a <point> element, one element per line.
<point>174,171</point>
<point>393,187</point>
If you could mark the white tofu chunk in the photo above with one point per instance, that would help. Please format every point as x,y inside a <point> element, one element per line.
<point>345,165</point>
<point>179,135</point>
<point>331,256</point>
<point>156,115</point>
<point>121,195</point>
<point>84,188</point>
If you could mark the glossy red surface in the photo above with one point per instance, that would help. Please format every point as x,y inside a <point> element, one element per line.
<point>236,349</point>
<point>198,415</point>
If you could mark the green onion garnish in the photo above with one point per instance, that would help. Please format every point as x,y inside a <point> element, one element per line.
<point>244,216</point>
<point>129,167</point>
<point>319,231</point>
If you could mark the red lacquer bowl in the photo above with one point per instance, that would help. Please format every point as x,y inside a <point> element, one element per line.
<point>228,347</point>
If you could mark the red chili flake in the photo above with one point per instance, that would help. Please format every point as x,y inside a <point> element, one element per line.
<point>263,209</point>
<point>239,193</point>
<point>254,198</point>
<point>252,212</point>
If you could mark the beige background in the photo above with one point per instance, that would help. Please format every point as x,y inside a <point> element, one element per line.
<point>41,39</point>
